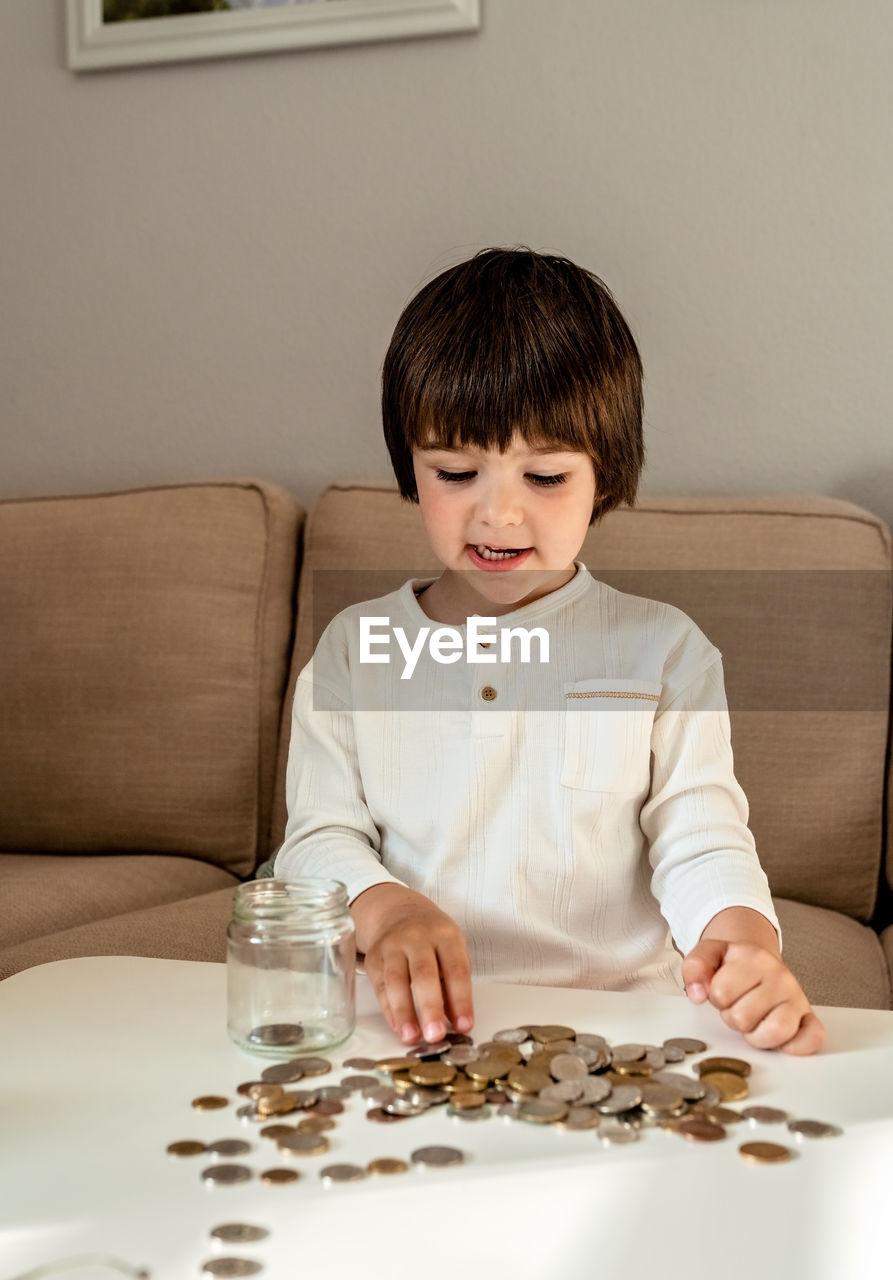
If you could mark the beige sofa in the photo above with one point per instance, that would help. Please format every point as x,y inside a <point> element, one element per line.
<point>151,640</point>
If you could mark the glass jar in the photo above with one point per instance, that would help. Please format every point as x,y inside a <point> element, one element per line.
<point>291,961</point>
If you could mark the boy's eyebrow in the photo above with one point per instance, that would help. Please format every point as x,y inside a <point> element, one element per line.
<point>538,449</point>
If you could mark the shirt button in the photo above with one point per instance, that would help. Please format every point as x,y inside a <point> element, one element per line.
<point>488,693</point>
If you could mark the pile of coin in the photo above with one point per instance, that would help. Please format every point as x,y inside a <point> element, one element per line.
<point>536,1074</point>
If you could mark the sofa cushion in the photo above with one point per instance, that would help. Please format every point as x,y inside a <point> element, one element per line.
<point>190,929</point>
<point>145,649</point>
<point>794,591</point>
<point>836,960</point>
<point>53,892</point>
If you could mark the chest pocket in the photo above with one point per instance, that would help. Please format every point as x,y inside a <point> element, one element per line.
<point>607,734</point>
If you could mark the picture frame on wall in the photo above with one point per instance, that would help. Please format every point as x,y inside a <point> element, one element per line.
<point>121,33</point>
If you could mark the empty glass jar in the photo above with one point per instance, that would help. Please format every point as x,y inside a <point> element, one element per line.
<point>291,961</point>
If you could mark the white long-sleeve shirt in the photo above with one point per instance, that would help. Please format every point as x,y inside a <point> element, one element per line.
<point>574,817</point>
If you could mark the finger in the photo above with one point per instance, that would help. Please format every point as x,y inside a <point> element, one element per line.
<point>747,1012</point>
<point>395,983</point>
<point>425,976</point>
<point>455,974</point>
<point>778,1027</point>
<point>700,965</point>
<point>809,1038</point>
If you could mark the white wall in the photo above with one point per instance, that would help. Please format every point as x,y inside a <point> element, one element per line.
<point>200,265</point>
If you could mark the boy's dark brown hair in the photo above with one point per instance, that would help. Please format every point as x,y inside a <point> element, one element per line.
<point>513,340</point>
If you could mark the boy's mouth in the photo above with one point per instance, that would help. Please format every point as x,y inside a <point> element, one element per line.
<point>482,554</point>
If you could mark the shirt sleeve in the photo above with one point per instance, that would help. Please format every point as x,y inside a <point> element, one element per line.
<point>330,832</point>
<point>702,853</point>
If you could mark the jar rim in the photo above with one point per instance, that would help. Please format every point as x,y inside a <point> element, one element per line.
<point>305,893</point>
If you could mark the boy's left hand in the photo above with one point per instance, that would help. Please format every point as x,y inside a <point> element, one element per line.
<point>755,993</point>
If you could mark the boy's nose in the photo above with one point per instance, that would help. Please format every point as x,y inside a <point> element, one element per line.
<point>499,505</point>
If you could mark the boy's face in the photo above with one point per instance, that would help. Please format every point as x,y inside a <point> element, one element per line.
<point>476,503</point>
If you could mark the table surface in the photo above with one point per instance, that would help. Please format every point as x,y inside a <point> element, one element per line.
<point>102,1056</point>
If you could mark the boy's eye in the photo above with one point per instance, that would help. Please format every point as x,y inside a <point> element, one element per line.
<point>455,476</point>
<point>545,481</point>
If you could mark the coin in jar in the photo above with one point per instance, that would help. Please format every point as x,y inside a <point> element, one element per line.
<point>210,1102</point>
<point>335,1173</point>
<point>701,1130</point>
<point>226,1175</point>
<point>765,1152</point>
<point>238,1233</point>
<point>387,1166</point>
<point>231,1267</point>
<point>437,1157</point>
<point>814,1129</point>
<point>277,1034</point>
<point>186,1147</point>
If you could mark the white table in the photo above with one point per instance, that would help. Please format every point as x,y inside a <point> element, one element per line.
<point>100,1058</point>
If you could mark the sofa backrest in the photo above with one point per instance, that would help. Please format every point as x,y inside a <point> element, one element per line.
<point>794,591</point>
<point>144,654</point>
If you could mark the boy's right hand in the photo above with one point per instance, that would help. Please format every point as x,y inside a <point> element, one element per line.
<point>417,961</point>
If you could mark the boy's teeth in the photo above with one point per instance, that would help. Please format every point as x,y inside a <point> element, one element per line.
<point>487,553</point>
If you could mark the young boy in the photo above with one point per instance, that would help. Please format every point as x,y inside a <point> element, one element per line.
<point>571,821</point>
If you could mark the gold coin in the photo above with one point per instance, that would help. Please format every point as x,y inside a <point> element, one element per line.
<point>496,1049</point>
<point>390,1065</point>
<point>527,1080</point>
<point>276,1130</point>
<point>547,1033</point>
<point>662,1098</point>
<point>737,1066</point>
<point>465,1084</point>
<point>279,1176</point>
<point>278,1105</point>
<point>639,1067</point>
<point>468,1101</point>
<point>718,1114</point>
<point>186,1148</point>
<point>731,1087</point>
<point>579,1118</point>
<point>542,1059</point>
<point>315,1124</point>
<point>432,1073</point>
<point>261,1090</point>
<point>492,1068</point>
<point>314,1066</point>
<point>387,1165</point>
<point>210,1102</point>
<point>765,1152</point>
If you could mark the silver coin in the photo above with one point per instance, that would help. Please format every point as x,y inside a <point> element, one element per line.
<point>277,1034</point>
<point>437,1157</point>
<point>593,1042</point>
<point>229,1147</point>
<point>655,1057</point>
<point>814,1129</point>
<point>594,1058</point>
<point>459,1055</point>
<point>231,1267</point>
<point>539,1111</point>
<point>623,1097</point>
<point>567,1066</point>
<point>401,1106</point>
<point>249,1114</point>
<point>334,1092</point>
<point>660,1097</point>
<point>300,1142</point>
<point>628,1052</point>
<point>509,1110</point>
<point>315,1066</point>
<point>238,1233</point>
<point>615,1135</point>
<point>428,1048</point>
<point>469,1113</point>
<point>692,1090</point>
<point>359,1064</point>
<point>711,1096</point>
<point>356,1084</point>
<point>673,1053</point>
<point>283,1072</point>
<point>304,1097</point>
<point>226,1175</point>
<point>333,1173</point>
<point>513,1035</point>
<point>380,1094</point>
<point>765,1115</point>
<point>564,1091</point>
<point>594,1089</point>
<point>686,1043</point>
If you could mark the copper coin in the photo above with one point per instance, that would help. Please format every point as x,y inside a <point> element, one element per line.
<point>187,1147</point>
<point>326,1107</point>
<point>701,1130</point>
<point>226,1175</point>
<point>231,1267</point>
<point>229,1147</point>
<point>276,1130</point>
<point>379,1116</point>
<point>387,1166</point>
<point>245,1089</point>
<point>258,1089</point>
<point>737,1066</point>
<point>210,1102</point>
<point>458,1037</point>
<point>284,1072</point>
<point>765,1115</point>
<point>765,1152</point>
<point>277,1105</point>
<point>278,1177</point>
<point>238,1233</point>
<point>717,1114</point>
<point>277,1034</point>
